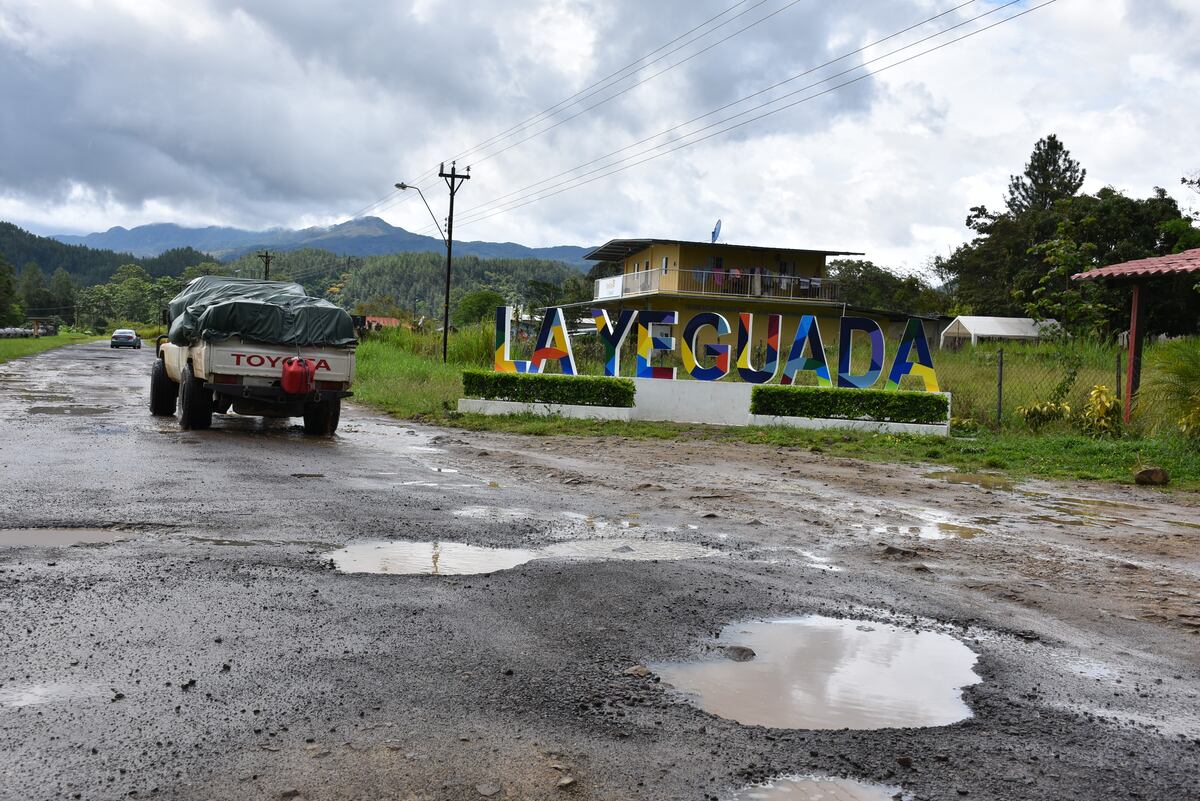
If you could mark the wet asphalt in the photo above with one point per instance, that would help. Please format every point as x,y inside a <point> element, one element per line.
<point>212,652</point>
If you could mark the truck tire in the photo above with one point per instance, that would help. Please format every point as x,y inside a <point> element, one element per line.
<point>321,418</point>
<point>195,402</point>
<point>164,393</point>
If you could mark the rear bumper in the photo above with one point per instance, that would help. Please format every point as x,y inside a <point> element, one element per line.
<point>275,394</point>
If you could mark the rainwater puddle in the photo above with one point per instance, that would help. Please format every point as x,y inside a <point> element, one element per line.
<point>58,537</point>
<point>817,788</point>
<point>73,411</point>
<point>457,559</point>
<point>936,530</point>
<point>987,481</point>
<point>34,694</point>
<point>823,673</point>
<point>493,513</point>
<point>427,558</point>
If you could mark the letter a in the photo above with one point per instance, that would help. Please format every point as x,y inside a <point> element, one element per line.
<point>922,368</point>
<point>807,332</point>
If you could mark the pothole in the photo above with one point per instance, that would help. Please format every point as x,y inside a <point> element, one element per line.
<point>74,411</point>
<point>818,788</point>
<point>817,672</point>
<point>430,558</point>
<point>18,695</point>
<point>936,526</point>
<point>58,537</point>
<point>988,481</point>
<point>456,558</point>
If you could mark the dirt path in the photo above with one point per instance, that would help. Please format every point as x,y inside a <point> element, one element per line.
<point>213,653</point>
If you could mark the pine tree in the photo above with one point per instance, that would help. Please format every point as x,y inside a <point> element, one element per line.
<point>1050,174</point>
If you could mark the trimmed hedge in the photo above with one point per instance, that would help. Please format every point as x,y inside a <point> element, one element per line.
<point>850,404</point>
<point>580,390</point>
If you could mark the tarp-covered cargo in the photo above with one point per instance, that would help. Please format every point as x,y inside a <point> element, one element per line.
<point>216,307</point>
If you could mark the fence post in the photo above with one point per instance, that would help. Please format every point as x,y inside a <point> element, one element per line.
<point>999,387</point>
<point>1118,374</point>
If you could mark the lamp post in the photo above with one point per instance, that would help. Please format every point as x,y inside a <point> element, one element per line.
<point>454,180</point>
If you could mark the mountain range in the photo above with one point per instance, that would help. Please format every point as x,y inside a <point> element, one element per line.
<point>364,236</point>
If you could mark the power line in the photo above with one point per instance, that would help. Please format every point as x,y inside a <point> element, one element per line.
<point>577,182</point>
<point>734,103</point>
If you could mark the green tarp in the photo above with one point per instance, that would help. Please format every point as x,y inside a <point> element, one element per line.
<point>276,312</point>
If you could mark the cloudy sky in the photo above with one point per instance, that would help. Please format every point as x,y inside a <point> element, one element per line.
<point>278,113</point>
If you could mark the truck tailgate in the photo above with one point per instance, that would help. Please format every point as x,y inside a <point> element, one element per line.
<point>234,357</point>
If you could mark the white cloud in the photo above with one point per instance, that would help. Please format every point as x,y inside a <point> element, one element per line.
<point>272,113</point>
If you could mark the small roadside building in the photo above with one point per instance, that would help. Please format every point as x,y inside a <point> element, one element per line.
<point>966,328</point>
<point>696,277</point>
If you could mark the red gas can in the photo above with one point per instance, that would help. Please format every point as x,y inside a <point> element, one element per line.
<point>299,375</point>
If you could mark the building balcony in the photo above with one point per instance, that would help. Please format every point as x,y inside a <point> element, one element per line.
<point>717,284</point>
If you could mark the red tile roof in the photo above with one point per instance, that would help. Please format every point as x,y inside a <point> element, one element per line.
<point>1186,262</point>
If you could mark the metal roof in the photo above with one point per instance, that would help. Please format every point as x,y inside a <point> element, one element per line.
<point>964,327</point>
<point>618,249</point>
<point>1186,262</point>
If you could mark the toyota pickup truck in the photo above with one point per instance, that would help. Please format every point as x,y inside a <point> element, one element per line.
<point>260,348</point>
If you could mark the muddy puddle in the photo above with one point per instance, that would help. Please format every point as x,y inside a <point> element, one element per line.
<point>58,537</point>
<point>457,559</point>
<point>818,788</point>
<point>18,695</point>
<point>935,529</point>
<point>987,481</point>
<point>73,411</point>
<point>817,672</point>
<point>428,558</point>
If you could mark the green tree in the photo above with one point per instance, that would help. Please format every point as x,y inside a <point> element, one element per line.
<point>11,312</point>
<point>479,304</point>
<point>34,293</point>
<point>62,293</point>
<point>868,285</point>
<point>1050,175</point>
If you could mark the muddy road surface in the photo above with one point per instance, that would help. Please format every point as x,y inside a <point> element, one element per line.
<point>247,613</point>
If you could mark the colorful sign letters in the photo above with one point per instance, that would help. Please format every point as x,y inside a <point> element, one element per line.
<point>712,362</point>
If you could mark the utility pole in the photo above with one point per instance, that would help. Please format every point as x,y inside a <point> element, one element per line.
<point>266,260</point>
<point>454,180</point>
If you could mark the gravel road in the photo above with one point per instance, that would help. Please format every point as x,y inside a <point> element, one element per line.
<point>205,648</point>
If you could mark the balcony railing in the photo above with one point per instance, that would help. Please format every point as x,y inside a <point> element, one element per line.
<point>720,283</point>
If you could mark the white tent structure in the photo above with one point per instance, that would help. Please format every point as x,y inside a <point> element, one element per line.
<point>977,328</point>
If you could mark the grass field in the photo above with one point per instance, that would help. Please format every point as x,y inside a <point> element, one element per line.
<point>402,374</point>
<point>16,348</point>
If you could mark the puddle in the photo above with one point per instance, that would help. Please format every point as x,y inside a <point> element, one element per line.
<point>58,537</point>
<point>35,694</point>
<point>493,513</point>
<point>817,788</point>
<point>74,411</point>
<point>427,558</point>
<point>823,673</point>
<point>937,530</point>
<point>819,562</point>
<point>458,559</point>
<point>988,481</point>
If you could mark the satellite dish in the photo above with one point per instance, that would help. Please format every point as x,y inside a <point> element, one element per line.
<point>716,232</point>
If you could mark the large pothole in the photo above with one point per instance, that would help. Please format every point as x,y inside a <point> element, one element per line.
<point>817,788</point>
<point>58,537</point>
<point>817,672</point>
<point>456,559</point>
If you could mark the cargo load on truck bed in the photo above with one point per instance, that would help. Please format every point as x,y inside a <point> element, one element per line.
<point>216,307</point>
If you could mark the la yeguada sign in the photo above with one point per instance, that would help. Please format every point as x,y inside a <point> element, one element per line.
<point>805,353</point>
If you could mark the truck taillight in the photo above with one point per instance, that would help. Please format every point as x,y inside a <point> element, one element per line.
<point>221,378</point>
<point>329,385</point>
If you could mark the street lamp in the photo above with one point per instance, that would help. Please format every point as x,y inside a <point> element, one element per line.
<point>454,180</point>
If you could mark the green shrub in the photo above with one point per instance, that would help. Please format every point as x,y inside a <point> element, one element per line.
<point>536,388</point>
<point>1037,415</point>
<point>1101,414</point>
<point>1174,384</point>
<point>850,404</point>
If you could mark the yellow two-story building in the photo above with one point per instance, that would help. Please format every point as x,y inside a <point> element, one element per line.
<point>695,277</point>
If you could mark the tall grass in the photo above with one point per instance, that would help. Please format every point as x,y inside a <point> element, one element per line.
<point>1173,384</point>
<point>401,371</point>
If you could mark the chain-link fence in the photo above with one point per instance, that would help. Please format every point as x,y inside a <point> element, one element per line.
<point>990,382</point>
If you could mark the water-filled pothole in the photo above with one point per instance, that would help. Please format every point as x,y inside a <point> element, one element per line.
<point>823,673</point>
<point>987,481</point>
<point>18,695</point>
<point>58,537</point>
<point>817,788</point>
<point>74,411</point>
<point>456,559</point>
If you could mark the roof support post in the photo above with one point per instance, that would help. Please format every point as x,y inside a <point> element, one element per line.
<point>1133,375</point>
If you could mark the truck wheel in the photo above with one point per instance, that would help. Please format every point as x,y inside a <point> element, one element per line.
<point>164,393</point>
<point>195,402</point>
<point>321,418</point>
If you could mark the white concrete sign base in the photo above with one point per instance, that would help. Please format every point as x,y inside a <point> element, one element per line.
<point>718,403</point>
